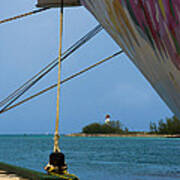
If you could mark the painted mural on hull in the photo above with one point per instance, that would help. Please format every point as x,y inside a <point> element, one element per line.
<point>149,32</point>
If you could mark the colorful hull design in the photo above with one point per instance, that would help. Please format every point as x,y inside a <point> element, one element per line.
<point>149,33</point>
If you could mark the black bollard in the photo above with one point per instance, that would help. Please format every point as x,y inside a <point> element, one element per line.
<point>57,161</point>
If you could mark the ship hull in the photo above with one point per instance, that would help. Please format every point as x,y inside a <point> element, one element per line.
<point>149,33</point>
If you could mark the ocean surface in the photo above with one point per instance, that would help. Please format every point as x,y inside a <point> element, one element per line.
<point>92,158</point>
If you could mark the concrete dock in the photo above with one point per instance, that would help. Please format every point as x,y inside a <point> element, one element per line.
<point>9,176</point>
<point>11,172</point>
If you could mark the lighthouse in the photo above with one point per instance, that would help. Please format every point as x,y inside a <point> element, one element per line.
<point>107,119</point>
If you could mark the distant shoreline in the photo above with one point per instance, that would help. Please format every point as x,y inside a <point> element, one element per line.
<point>124,135</point>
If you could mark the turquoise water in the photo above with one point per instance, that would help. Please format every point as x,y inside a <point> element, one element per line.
<point>99,158</point>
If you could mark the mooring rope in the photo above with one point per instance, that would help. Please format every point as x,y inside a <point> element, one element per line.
<point>56,135</point>
<point>65,80</point>
<point>68,52</point>
<point>23,15</point>
<point>26,88</point>
<point>4,101</point>
<point>52,65</point>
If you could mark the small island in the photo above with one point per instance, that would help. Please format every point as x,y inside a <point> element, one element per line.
<point>170,128</point>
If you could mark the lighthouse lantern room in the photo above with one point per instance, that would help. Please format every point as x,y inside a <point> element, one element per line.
<point>107,120</point>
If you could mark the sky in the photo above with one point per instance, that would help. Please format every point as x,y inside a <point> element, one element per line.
<point>116,87</point>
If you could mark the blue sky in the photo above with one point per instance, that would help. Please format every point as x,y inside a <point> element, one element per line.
<point>117,87</point>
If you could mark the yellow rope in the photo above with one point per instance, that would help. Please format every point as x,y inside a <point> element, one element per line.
<point>65,80</point>
<point>23,15</point>
<point>56,136</point>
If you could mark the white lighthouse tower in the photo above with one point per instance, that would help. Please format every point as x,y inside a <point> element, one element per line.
<point>107,120</point>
